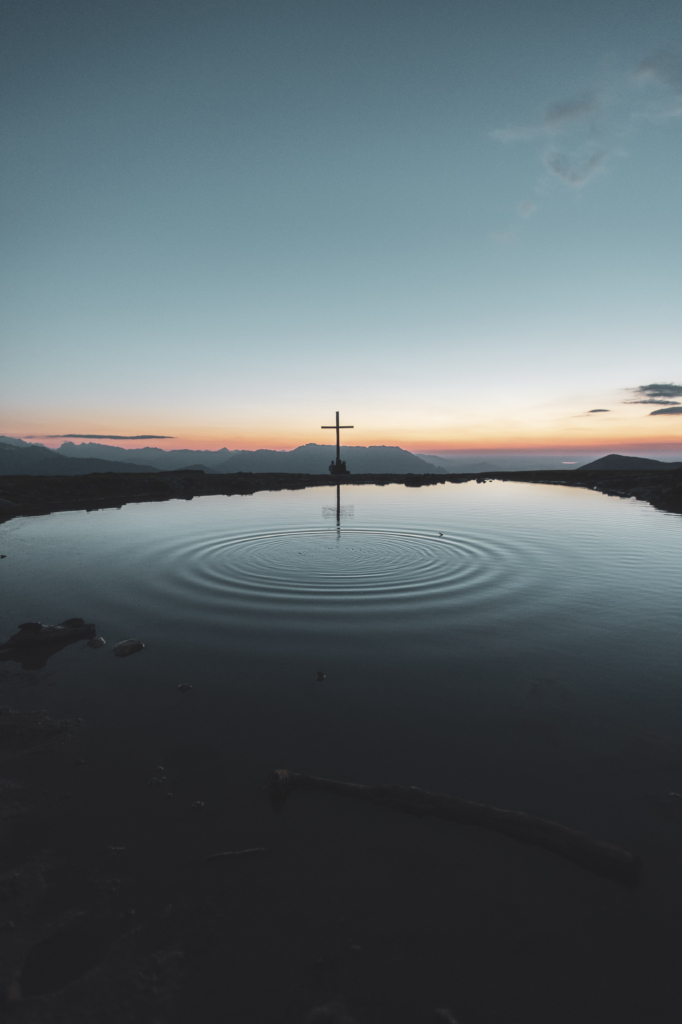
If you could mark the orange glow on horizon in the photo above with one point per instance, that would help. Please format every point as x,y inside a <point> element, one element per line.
<point>559,425</point>
<point>464,441</point>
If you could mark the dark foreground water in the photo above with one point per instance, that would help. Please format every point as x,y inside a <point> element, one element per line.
<point>511,643</point>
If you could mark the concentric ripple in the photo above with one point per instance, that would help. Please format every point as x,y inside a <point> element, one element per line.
<point>317,568</point>
<point>465,568</point>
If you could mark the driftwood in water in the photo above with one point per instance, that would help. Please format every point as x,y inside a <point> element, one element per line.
<point>576,846</point>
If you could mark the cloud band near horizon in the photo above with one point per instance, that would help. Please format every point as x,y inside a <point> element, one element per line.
<point>114,437</point>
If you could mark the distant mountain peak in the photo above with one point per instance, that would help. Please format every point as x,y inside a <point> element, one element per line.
<point>17,442</point>
<point>630,462</point>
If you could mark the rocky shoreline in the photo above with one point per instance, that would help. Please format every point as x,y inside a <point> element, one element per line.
<point>39,495</point>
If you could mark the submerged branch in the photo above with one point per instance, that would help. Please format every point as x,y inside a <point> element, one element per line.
<point>576,846</point>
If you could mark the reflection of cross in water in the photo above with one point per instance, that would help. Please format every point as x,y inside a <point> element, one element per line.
<point>337,511</point>
<point>328,510</point>
<point>339,466</point>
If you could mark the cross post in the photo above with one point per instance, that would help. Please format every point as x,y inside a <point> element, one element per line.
<point>339,467</point>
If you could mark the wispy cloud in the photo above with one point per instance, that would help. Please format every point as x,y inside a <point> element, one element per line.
<point>556,117</point>
<point>569,110</point>
<point>577,136</point>
<point>667,412</point>
<point>597,410</point>
<point>664,68</point>
<point>112,437</point>
<point>574,171</point>
<point>584,153</point>
<point>650,393</point>
<point>657,394</point>
<point>650,401</point>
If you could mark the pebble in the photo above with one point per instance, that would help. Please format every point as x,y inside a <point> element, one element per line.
<point>198,805</point>
<point>184,687</point>
<point>321,677</point>
<point>127,647</point>
<point>97,641</point>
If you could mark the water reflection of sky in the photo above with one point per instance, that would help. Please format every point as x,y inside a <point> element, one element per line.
<point>510,643</point>
<point>562,570</point>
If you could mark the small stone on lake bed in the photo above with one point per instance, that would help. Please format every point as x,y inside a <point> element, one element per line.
<point>321,676</point>
<point>198,805</point>
<point>184,687</point>
<point>97,641</point>
<point>127,647</point>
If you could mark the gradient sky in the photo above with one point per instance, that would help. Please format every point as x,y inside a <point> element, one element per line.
<point>458,222</point>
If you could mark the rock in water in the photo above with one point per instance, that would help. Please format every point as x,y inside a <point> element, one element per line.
<point>97,641</point>
<point>126,647</point>
<point>34,634</point>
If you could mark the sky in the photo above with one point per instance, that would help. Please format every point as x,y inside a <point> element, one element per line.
<point>459,223</point>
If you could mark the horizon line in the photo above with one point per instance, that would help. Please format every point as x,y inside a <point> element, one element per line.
<point>547,448</point>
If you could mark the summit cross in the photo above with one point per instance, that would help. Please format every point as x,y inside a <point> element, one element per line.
<point>339,467</point>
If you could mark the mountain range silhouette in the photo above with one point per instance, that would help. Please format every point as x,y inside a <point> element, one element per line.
<point>19,457</point>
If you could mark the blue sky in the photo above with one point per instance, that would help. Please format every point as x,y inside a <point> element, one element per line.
<point>460,223</point>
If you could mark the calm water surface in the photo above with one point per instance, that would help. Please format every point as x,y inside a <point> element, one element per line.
<point>518,644</point>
